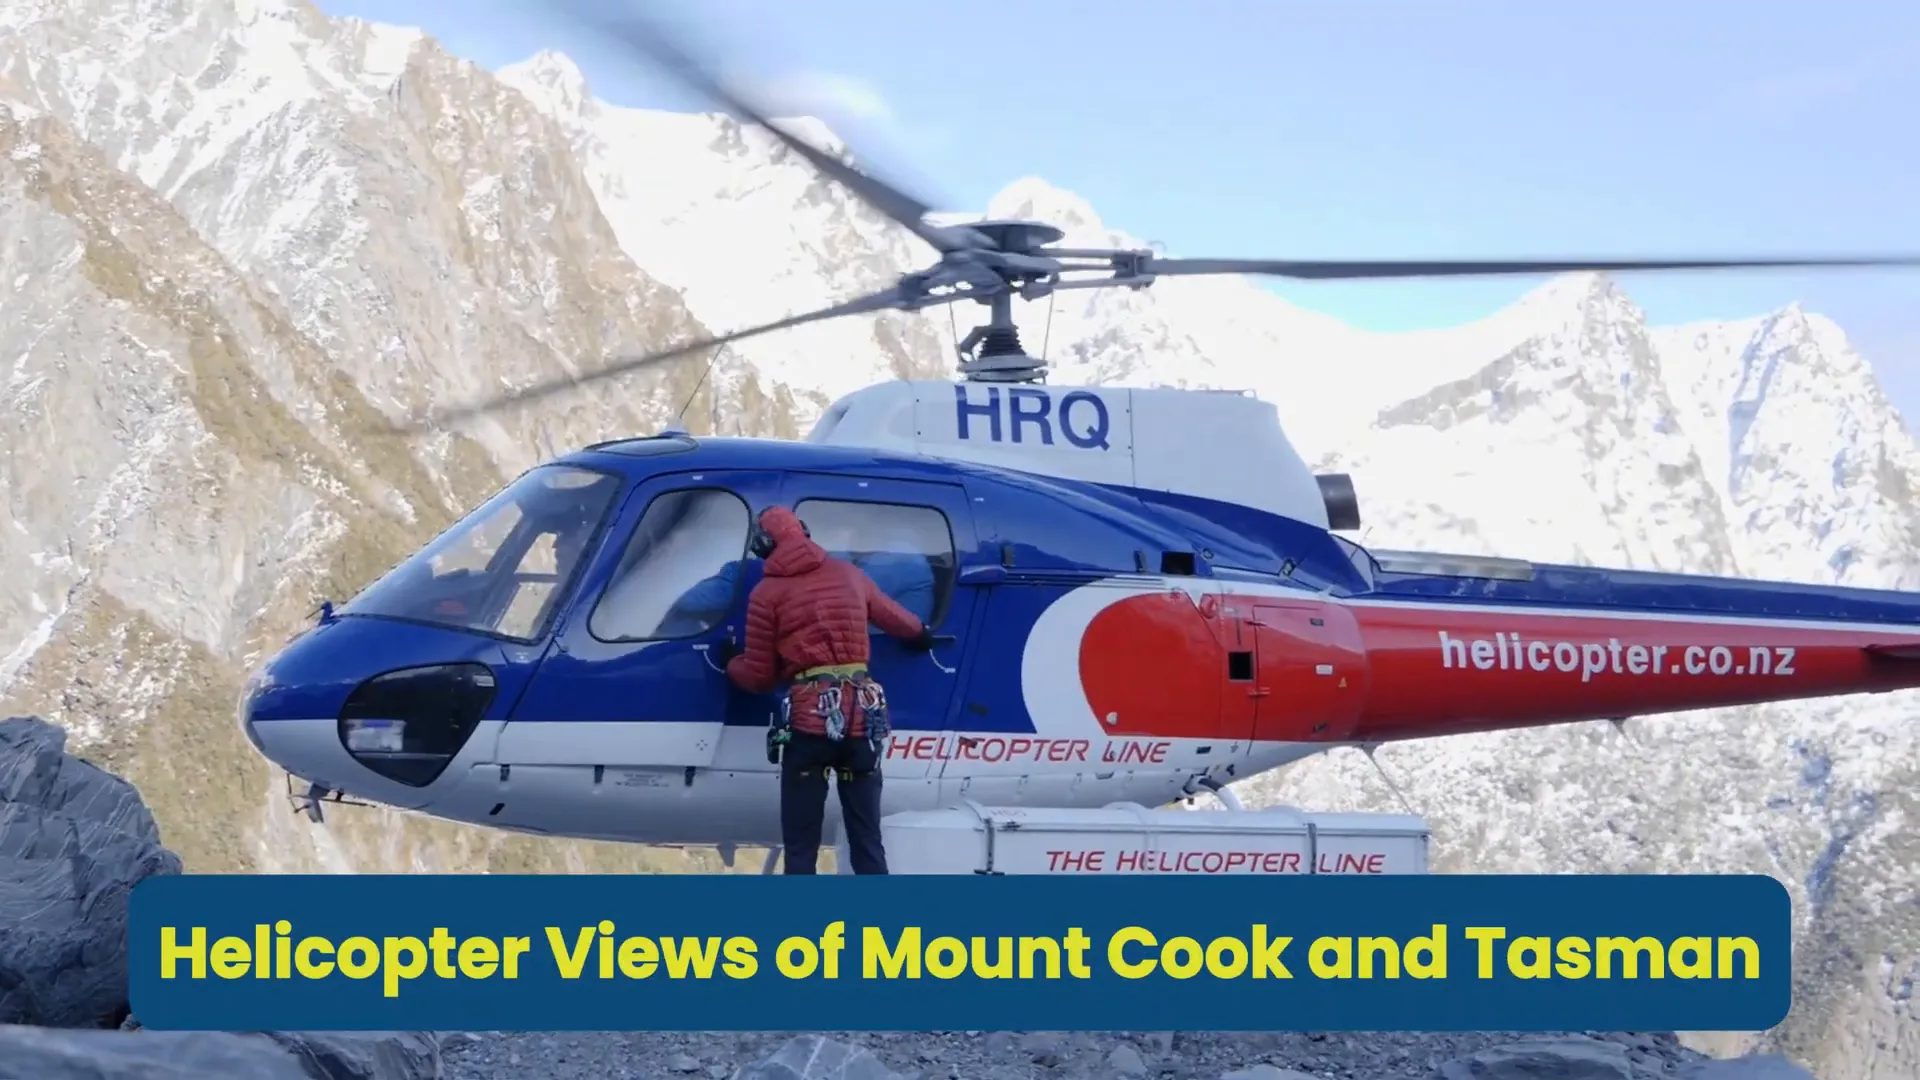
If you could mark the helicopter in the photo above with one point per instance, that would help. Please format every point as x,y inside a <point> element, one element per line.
<point>1118,616</point>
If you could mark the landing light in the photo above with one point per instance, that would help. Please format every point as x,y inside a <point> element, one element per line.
<point>408,725</point>
<point>375,736</point>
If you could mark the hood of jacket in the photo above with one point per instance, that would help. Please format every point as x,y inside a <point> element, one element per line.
<point>794,552</point>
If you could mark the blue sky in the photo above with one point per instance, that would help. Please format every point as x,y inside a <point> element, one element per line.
<point>1286,129</point>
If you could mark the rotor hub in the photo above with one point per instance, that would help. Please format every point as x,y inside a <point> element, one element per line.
<point>1016,236</point>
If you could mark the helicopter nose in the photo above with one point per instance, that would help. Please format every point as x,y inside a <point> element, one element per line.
<point>311,749</point>
<point>393,738</point>
<point>256,681</point>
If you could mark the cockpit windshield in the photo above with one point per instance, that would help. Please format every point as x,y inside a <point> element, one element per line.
<point>502,569</point>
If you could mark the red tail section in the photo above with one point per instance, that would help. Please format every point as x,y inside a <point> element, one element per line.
<point>1286,668</point>
<point>1441,671</point>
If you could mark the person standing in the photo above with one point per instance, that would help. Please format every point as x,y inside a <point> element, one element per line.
<point>807,629</point>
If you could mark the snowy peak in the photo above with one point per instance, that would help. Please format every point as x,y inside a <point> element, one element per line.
<point>1577,416</point>
<point>1813,464</point>
<point>556,84</point>
<point>552,80</point>
<point>1031,198</point>
<point>381,53</point>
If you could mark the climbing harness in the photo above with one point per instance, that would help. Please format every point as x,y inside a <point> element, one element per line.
<point>842,687</point>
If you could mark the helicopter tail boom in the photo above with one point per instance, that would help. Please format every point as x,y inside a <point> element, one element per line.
<point>1533,645</point>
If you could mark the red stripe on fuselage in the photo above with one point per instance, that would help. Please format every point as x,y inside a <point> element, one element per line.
<point>1294,669</point>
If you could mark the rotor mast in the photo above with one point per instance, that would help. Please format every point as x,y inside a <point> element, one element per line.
<point>992,352</point>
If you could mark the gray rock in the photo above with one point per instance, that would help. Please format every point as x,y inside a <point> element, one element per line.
<point>1267,1072</point>
<point>1126,1061</point>
<point>811,1057</point>
<point>1044,1048</point>
<point>73,842</point>
<point>32,1053</point>
<point>363,1055</point>
<point>683,1063</point>
<point>1752,1067</point>
<point>1546,1059</point>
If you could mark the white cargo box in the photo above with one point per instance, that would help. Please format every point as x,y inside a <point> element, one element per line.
<point>1127,838</point>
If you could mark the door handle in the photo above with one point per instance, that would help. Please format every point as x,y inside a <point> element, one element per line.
<point>1258,692</point>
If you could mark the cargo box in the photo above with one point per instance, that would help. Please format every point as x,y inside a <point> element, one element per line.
<point>1126,838</point>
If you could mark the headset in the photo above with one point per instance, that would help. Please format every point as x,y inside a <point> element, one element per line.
<point>762,543</point>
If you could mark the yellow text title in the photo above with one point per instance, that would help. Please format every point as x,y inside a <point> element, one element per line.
<point>273,951</point>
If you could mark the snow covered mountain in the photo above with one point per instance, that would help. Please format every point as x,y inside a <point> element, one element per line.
<point>237,232</point>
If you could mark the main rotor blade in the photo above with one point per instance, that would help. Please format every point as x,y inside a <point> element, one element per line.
<point>881,301</point>
<point>886,198</point>
<point>1361,270</point>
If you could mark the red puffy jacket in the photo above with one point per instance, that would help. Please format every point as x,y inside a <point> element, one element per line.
<point>810,610</point>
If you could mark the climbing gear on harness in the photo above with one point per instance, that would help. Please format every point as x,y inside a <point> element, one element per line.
<point>833,715</point>
<point>780,731</point>
<point>832,683</point>
<point>873,709</point>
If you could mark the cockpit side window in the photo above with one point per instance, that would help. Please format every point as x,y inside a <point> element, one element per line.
<point>680,573</point>
<point>504,569</point>
<point>906,550</point>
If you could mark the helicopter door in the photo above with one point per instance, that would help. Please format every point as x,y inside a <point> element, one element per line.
<point>629,681</point>
<point>909,536</point>
<point>1310,671</point>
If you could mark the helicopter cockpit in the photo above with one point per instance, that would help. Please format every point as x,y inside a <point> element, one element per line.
<point>503,569</point>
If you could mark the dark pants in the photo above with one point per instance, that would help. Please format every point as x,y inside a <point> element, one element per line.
<point>804,767</point>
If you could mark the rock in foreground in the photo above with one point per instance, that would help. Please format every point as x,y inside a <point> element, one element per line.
<point>811,1057</point>
<point>74,840</point>
<point>929,1055</point>
<point>28,1053</point>
<point>363,1055</point>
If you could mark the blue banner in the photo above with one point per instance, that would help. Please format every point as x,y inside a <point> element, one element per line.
<point>1065,952</point>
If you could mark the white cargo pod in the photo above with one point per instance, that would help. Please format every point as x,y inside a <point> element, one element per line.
<point>1127,838</point>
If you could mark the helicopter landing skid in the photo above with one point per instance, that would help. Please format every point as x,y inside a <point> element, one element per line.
<point>312,801</point>
<point>1215,786</point>
<point>729,849</point>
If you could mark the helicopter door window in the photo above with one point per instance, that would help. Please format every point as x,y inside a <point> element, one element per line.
<point>503,569</point>
<point>906,550</point>
<point>680,573</point>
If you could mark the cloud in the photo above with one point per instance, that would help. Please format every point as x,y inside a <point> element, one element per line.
<point>828,95</point>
